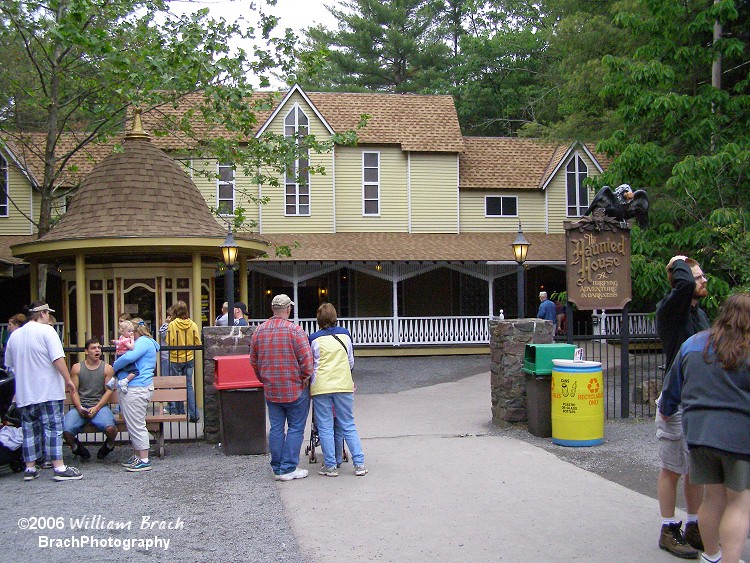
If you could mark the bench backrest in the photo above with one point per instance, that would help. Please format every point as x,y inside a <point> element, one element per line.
<point>166,388</point>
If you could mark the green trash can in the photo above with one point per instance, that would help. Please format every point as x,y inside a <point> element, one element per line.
<point>537,365</point>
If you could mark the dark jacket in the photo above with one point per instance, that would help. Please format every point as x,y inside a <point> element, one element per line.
<point>676,318</point>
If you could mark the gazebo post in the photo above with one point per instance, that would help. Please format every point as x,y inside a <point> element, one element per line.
<point>196,314</point>
<point>81,293</point>
<point>242,273</point>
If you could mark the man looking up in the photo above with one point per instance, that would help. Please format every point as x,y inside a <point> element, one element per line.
<point>91,403</point>
<point>678,317</point>
<point>35,354</point>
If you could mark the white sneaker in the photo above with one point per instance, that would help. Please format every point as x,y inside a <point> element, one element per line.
<point>296,474</point>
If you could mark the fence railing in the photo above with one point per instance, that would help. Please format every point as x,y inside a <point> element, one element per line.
<point>639,324</point>
<point>409,331</point>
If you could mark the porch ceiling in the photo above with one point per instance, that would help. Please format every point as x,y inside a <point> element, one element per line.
<point>406,247</point>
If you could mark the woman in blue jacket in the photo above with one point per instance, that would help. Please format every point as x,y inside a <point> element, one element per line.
<point>135,390</point>
<point>710,377</point>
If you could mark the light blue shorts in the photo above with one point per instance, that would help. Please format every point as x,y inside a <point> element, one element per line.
<point>74,422</point>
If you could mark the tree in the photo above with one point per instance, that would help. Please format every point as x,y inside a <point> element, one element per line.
<point>684,138</point>
<point>388,46</point>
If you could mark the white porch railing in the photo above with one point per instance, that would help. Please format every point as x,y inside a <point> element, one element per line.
<point>411,331</point>
<point>638,323</point>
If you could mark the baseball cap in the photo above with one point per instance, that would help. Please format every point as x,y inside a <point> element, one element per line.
<point>241,306</point>
<point>281,301</point>
<point>41,308</point>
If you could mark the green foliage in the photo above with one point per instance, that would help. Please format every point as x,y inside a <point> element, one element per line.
<point>390,46</point>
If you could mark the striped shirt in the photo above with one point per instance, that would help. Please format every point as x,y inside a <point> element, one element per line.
<point>281,357</point>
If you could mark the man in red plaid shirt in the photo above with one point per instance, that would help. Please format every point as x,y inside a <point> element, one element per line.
<point>281,357</point>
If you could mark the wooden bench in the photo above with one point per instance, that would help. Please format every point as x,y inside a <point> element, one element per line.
<point>167,389</point>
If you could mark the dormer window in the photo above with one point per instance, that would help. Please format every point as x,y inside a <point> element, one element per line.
<point>370,183</point>
<point>578,195</point>
<point>297,177</point>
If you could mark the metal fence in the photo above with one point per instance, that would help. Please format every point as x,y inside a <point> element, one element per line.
<point>632,380</point>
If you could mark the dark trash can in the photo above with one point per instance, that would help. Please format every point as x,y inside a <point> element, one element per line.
<point>242,407</point>
<point>537,365</point>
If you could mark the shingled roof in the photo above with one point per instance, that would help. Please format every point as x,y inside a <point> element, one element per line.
<point>512,163</point>
<point>416,122</point>
<point>396,247</point>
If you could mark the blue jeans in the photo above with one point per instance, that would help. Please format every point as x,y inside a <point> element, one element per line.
<point>285,446</point>
<point>73,421</point>
<point>342,404</point>
<point>186,369</point>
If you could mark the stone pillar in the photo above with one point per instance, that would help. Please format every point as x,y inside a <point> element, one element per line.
<point>508,339</point>
<point>219,341</point>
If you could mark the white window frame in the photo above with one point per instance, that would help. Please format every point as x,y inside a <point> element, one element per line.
<point>220,183</point>
<point>578,174</point>
<point>292,186</point>
<point>4,182</point>
<point>365,184</point>
<point>502,205</point>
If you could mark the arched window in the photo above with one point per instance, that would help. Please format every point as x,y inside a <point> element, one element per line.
<point>578,195</point>
<point>297,177</point>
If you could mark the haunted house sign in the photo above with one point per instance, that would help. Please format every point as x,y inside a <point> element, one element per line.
<point>597,251</point>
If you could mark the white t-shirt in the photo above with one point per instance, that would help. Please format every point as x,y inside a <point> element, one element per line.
<point>30,352</point>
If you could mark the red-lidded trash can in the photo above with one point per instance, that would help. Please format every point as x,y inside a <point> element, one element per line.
<point>242,407</point>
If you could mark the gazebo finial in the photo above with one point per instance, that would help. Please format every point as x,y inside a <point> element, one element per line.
<point>137,131</point>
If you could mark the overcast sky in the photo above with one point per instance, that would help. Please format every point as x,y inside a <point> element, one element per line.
<point>296,14</point>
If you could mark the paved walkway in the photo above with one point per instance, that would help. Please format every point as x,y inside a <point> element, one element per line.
<point>441,488</point>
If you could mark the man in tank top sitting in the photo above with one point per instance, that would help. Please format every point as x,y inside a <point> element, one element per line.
<point>91,403</point>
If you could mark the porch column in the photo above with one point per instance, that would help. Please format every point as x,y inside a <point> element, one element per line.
<point>81,300</point>
<point>295,291</point>
<point>396,339</point>
<point>33,281</point>
<point>243,281</point>
<point>490,286</point>
<point>196,313</point>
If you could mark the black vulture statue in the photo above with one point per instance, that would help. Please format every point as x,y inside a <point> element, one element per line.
<point>622,204</point>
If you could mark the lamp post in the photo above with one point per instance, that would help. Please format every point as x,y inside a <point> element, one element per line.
<point>520,249</point>
<point>229,254</point>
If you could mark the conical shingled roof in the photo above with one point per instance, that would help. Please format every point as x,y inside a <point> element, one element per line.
<point>140,192</point>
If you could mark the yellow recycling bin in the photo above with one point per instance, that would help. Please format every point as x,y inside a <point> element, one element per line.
<point>577,403</point>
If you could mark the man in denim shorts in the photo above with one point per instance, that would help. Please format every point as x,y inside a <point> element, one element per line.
<point>91,403</point>
<point>35,356</point>
<point>678,316</point>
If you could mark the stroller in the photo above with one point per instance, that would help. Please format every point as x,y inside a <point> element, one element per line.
<point>315,441</point>
<point>10,417</point>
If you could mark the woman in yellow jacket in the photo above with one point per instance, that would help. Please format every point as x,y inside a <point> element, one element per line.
<point>332,390</point>
<point>183,332</point>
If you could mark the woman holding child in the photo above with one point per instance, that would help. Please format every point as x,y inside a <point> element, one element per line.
<point>135,390</point>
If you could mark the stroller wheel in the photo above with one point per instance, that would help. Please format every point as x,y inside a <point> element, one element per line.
<point>313,458</point>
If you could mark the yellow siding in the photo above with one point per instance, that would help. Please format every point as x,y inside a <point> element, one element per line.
<point>393,191</point>
<point>556,195</point>
<point>321,218</point>
<point>530,212</point>
<point>203,173</point>
<point>434,193</point>
<point>19,191</point>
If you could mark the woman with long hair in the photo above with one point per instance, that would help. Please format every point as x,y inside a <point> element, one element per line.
<point>135,390</point>
<point>711,378</point>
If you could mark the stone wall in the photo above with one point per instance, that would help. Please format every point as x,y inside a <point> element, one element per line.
<point>508,339</point>
<point>219,341</point>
